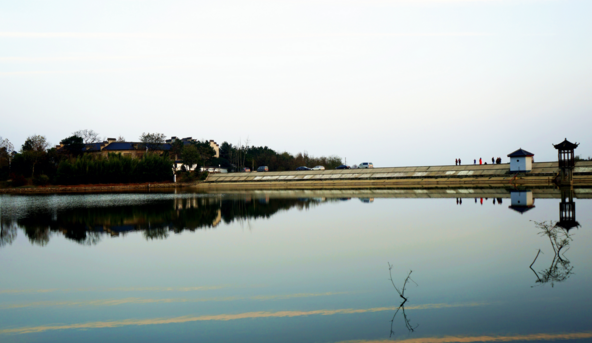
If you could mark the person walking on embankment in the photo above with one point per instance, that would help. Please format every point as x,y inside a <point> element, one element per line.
<point>480,161</point>
<point>456,161</point>
<point>459,164</point>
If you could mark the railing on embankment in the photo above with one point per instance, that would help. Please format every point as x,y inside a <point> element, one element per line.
<point>489,175</point>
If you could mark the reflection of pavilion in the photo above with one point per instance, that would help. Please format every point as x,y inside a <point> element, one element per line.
<point>567,210</point>
<point>522,200</point>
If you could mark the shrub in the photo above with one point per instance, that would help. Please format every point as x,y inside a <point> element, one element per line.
<point>41,180</point>
<point>18,180</point>
<point>203,176</point>
<point>115,168</point>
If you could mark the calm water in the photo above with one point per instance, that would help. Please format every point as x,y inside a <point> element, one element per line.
<point>262,268</point>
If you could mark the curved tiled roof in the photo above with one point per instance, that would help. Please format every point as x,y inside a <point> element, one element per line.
<point>566,145</point>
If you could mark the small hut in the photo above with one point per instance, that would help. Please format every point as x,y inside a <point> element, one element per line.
<point>520,161</point>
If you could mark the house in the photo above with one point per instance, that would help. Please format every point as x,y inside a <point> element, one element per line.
<point>137,149</point>
<point>520,161</point>
<point>130,149</point>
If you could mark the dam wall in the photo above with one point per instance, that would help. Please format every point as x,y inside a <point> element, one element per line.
<point>487,175</point>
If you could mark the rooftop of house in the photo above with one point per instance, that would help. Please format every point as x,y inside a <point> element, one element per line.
<point>520,153</point>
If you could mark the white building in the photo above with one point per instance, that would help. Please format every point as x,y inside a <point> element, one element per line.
<point>216,148</point>
<point>520,161</point>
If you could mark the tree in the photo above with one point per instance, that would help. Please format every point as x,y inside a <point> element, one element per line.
<point>191,157</point>
<point>121,139</point>
<point>34,149</point>
<point>6,149</point>
<point>176,149</point>
<point>206,152</point>
<point>152,141</point>
<point>6,145</point>
<point>88,136</point>
<point>73,144</point>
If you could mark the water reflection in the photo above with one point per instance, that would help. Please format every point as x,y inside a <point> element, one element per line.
<point>156,219</point>
<point>401,307</point>
<point>560,268</point>
<point>7,233</point>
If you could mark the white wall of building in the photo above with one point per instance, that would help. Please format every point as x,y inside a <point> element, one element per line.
<point>523,164</point>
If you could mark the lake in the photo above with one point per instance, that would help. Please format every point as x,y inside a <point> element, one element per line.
<point>292,267</point>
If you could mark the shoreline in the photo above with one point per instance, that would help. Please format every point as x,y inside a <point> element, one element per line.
<point>96,188</point>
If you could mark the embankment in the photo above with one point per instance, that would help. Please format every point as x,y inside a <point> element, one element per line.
<point>490,175</point>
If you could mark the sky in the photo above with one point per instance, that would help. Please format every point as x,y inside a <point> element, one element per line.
<point>393,82</point>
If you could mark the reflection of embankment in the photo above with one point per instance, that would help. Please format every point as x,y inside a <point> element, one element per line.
<point>447,193</point>
<point>156,219</point>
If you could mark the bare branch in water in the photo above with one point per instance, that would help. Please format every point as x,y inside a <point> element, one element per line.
<point>402,291</point>
<point>401,307</point>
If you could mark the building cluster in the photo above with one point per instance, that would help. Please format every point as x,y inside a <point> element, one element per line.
<point>138,149</point>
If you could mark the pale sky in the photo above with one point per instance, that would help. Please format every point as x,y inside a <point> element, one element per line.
<point>393,82</point>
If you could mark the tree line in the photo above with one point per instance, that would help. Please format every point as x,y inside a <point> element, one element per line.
<point>236,157</point>
<point>39,163</point>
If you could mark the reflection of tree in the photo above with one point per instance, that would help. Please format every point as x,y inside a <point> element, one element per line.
<point>560,268</point>
<point>156,233</point>
<point>401,307</point>
<point>7,233</point>
<point>87,225</point>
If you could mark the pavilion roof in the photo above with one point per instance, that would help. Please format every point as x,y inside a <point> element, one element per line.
<point>566,145</point>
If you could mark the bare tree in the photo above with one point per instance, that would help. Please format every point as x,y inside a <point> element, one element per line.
<point>121,139</point>
<point>6,149</point>
<point>5,144</point>
<point>34,148</point>
<point>88,136</point>
<point>152,141</point>
<point>245,148</point>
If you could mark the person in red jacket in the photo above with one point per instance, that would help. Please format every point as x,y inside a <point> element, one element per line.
<point>480,161</point>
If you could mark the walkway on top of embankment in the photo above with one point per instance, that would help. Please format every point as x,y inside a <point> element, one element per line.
<point>487,175</point>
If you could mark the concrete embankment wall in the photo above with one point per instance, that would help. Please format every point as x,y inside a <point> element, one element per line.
<point>490,175</point>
